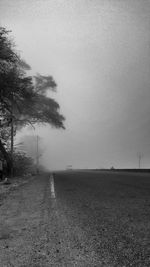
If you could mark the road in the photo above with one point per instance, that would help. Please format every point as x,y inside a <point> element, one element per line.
<point>77,218</point>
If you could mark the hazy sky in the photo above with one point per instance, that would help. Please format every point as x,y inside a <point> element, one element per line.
<point>98,51</point>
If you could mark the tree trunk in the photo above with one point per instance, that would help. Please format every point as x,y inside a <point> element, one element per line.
<point>6,157</point>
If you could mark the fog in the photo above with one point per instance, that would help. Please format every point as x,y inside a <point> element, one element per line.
<point>99,55</point>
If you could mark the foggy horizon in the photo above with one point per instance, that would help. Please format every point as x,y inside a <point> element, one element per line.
<point>98,52</point>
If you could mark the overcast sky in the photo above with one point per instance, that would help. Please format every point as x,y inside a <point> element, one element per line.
<point>98,52</point>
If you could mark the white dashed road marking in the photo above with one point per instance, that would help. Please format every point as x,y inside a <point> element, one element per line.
<point>52,186</point>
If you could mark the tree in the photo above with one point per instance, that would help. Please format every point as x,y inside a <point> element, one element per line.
<point>23,99</point>
<point>22,163</point>
<point>36,107</point>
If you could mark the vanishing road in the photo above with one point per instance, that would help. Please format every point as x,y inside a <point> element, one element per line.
<point>77,218</point>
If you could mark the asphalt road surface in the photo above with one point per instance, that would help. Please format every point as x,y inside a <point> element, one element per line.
<point>84,218</point>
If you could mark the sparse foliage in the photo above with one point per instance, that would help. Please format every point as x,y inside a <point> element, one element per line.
<point>22,164</point>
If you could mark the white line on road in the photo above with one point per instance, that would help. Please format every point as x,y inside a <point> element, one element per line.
<point>52,186</point>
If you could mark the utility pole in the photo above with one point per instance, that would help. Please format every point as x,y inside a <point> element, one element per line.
<point>12,145</point>
<point>12,137</point>
<point>140,155</point>
<point>37,154</point>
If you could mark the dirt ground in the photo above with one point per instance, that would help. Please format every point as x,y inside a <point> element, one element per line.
<point>34,230</point>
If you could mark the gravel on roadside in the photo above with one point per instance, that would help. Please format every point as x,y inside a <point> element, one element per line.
<point>6,188</point>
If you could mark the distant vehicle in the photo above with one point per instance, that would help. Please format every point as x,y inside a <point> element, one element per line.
<point>69,167</point>
<point>112,168</point>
